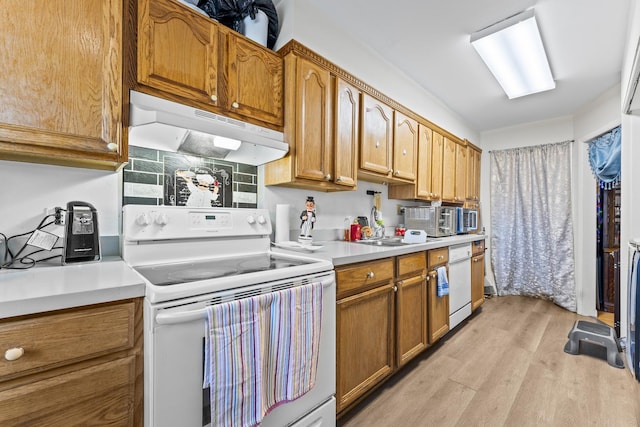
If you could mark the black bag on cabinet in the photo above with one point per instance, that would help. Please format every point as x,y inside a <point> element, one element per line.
<point>231,13</point>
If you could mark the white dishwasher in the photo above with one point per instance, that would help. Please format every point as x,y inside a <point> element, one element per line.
<point>459,283</point>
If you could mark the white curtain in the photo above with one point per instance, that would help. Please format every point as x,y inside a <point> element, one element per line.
<point>531,225</point>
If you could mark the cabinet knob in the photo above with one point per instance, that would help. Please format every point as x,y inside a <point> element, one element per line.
<point>214,98</point>
<point>235,104</point>
<point>395,289</point>
<point>396,173</point>
<point>112,146</point>
<point>404,152</point>
<point>377,144</point>
<point>440,256</point>
<point>327,177</point>
<point>14,353</point>
<point>339,179</point>
<point>370,275</point>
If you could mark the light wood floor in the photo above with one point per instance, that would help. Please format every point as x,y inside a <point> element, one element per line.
<point>505,367</point>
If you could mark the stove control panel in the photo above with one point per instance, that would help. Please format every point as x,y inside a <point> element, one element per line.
<point>176,222</point>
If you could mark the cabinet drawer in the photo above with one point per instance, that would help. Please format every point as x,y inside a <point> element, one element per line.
<point>364,275</point>
<point>61,338</point>
<point>98,395</point>
<point>477,247</point>
<point>410,263</point>
<point>438,256</point>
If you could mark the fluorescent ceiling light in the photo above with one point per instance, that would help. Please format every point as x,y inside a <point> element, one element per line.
<point>513,51</point>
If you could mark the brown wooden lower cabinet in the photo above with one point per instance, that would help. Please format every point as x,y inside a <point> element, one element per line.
<point>411,307</point>
<point>438,309</point>
<point>477,281</point>
<point>365,342</point>
<point>80,366</point>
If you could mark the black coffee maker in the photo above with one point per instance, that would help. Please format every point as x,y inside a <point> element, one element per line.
<point>82,242</point>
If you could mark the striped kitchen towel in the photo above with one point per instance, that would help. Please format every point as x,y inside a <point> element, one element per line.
<point>443,282</point>
<point>261,352</point>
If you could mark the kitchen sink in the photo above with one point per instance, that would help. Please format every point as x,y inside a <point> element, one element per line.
<point>384,241</point>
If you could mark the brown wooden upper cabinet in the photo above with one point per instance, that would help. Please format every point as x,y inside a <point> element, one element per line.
<point>460,192</point>
<point>405,146</point>
<point>321,127</point>
<point>376,142</point>
<point>437,165</point>
<point>388,143</point>
<point>422,189</point>
<point>473,176</point>
<point>192,59</point>
<point>61,83</point>
<point>454,166</point>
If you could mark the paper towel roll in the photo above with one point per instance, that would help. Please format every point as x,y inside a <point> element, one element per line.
<point>282,223</point>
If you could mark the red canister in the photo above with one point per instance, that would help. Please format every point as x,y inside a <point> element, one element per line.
<point>356,232</point>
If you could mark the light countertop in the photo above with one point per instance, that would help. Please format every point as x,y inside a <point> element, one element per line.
<point>341,253</point>
<point>55,287</point>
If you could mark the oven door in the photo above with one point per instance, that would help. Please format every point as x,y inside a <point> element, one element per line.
<point>174,363</point>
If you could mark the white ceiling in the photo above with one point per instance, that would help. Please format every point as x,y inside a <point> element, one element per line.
<point>429,41</point>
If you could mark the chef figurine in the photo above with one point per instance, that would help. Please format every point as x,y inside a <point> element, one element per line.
<point>308,217</point>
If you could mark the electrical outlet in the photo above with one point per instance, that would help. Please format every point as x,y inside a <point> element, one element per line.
<point>400,209</point>
<point>59,216</point>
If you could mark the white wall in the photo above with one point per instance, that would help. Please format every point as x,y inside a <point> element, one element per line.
<point>314,29</point>
<point>598,117</point>
<point>28,189</point>
<point>630,203</point>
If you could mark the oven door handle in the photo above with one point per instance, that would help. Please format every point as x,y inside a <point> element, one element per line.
<point>193,315</point>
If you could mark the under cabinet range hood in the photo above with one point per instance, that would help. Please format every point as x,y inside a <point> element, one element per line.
<point>166,125</point>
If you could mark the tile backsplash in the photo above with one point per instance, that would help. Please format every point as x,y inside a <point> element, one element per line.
<point>155,177</point>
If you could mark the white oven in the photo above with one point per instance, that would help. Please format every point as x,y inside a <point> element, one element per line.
<point>195,258</point>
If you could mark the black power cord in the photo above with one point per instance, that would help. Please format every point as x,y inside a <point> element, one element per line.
<point>14,261</point>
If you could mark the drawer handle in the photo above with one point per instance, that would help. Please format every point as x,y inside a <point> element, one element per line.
<point>112,146</point>
<point>235,104</point>
<point>214,98</point>
<point>440,256</point>
<point>370,275</point>
<point>395,289</point>
<point>14,353</point>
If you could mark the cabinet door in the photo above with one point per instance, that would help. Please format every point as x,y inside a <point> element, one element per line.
<point>461,173</point>
<point>411,303</point>
<point>423,179</point>
<point>473,176</point>
<point>177,50</point>
<point>61,82</point>
<point>449,170</point>
<point>405,147</point>
<point>477,159</point>
<point>347,131</point>
<point>436,165</point>
<point>365,342</point>
<point>438,310</point>
<point>313,124</point>
<point>256,80</point>
<point>377,136</point>
<point>97,395</point>
<point>477,281</point>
